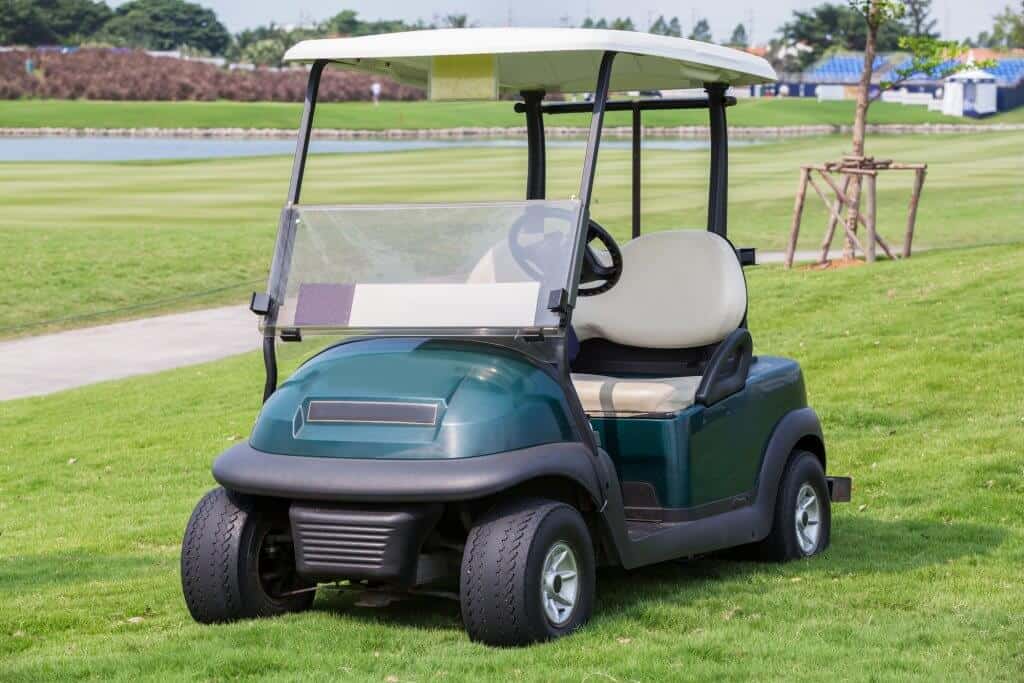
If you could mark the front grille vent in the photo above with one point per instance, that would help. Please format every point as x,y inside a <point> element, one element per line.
<point>333,547</point>
<point>360,542</point>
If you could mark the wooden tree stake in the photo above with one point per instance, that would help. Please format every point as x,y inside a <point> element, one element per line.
<point>869,253</point>
<point>915,198</point>
<point>798,210</point>
<point>830,232</point>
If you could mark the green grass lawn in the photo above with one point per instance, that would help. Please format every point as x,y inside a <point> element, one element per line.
<point>365,116</point>
<point>86,238</point>
<point>914,367</point>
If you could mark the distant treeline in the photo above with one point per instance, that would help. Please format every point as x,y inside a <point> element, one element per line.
<point>102,74</point>
<point>165,25</point>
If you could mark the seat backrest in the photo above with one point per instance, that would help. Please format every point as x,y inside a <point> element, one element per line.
<point>679,289</point>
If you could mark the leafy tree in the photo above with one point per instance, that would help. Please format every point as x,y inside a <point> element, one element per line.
<point>43,22</point>
<point>919,19</point>
<point>738,37</point>
<point>266,52</point>
<point>830,26</point>
<point>23,23</point>
<point>617,24</point>
<point>348,23</point>
<point>927,55</point>
<point>701,31</point>
<point>456,21</point>
<point>1007,30</point>
<point>167,25</point>
<point>667,28</point>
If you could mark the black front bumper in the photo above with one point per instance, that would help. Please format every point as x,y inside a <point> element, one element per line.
<point>244,469</point>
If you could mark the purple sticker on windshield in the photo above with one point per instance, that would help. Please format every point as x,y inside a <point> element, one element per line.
<point>323,305</point>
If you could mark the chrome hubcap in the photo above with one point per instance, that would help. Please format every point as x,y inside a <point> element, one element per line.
<point>808,519</point>
<point>560,587</point>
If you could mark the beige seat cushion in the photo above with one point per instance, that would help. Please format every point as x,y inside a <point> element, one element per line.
<point>604,394</point>
<point>679,289</point>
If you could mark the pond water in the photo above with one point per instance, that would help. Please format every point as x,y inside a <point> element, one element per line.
<point>60,148</point>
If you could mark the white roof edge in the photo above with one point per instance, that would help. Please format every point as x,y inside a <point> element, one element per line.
<point>555,44</point>
<point>972,75</point>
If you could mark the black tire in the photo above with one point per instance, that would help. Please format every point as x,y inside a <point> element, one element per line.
<point>237,561</point>
<point>783,544</point>
<point>501,579</point>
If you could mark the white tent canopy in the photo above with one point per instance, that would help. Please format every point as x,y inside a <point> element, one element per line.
<point>970,93</point>
<point>551,59</point>
<point>975,75</point>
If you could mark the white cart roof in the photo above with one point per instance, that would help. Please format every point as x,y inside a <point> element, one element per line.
<point>552,59</point>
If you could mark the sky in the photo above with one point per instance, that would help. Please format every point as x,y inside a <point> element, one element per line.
<point>957,18</point>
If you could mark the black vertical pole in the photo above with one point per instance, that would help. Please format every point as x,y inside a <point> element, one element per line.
<point>718,187</point>
<point>305,128</point>
<point>536,167</point>
<point>637,139</point>
<point>604,78</point>
<point>282,251</point>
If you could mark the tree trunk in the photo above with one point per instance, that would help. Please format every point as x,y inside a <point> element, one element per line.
<point>860,119</point>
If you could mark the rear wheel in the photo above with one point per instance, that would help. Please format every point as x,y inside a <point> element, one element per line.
<point>527,574</point>
<point>802,526</point>
<point>238,561</point>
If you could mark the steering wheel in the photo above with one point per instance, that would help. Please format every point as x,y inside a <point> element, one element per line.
<point>593,269</point>
<point>530,257</point>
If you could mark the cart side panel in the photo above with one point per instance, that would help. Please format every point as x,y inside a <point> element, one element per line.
<point>700,455</point>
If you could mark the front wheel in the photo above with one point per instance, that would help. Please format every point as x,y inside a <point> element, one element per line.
<point>238,561</point>
<point>803,515</point>
<point>528,574</point>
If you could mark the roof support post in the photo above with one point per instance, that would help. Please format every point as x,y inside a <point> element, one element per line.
<point>536,167</point>
<point>718,187</point>
<point>305,128</point>
<point>604,78</point>
<point>637,140</point>
<point>286,230</point>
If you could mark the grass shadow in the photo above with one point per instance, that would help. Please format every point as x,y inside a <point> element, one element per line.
<point>860,545</point>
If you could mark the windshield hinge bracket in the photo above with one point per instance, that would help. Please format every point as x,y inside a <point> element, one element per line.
<point>260,303</point>
<point>558,302</point>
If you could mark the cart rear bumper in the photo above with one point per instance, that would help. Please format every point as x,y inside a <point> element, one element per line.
<point>840,489</point>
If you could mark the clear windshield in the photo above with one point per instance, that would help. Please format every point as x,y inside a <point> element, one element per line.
<point>486,268</point>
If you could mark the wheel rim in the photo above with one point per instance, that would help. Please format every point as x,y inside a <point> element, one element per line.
<point>808,518</point>
<point>275,564</point>
<point>560,586</point>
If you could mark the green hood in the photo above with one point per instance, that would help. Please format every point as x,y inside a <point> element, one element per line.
<point>488,399</point>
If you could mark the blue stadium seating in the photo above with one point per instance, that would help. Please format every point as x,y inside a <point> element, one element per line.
<point>919,76</point>
<point>842,69</point>
<point>846,69</point>
<point>1008,71</point>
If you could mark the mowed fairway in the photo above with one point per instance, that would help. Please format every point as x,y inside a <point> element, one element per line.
<point>914,367</point>
<point>81,239</point>
<point>389,115</point>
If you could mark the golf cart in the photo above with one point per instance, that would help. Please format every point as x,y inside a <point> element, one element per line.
<point>517,399</point>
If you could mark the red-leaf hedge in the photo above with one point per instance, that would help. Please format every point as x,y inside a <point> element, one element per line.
<point>97,74</point>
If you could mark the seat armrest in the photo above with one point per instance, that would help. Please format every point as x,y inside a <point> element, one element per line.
<point>727,370</point>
